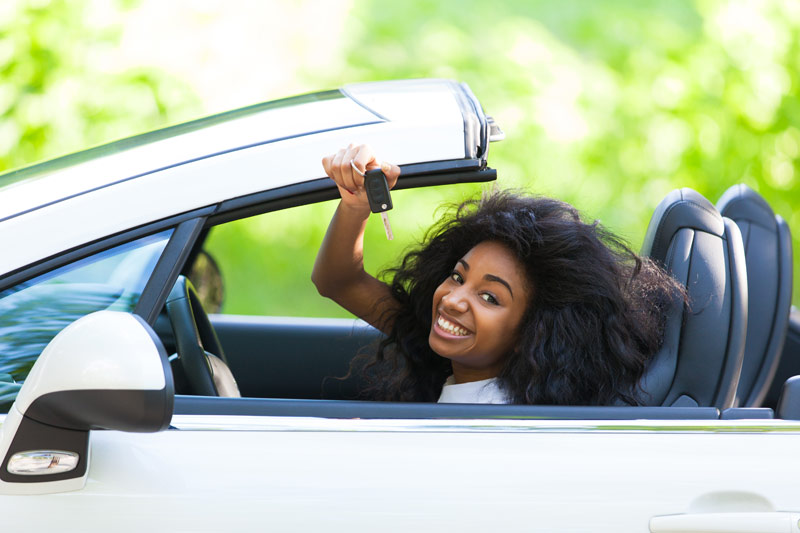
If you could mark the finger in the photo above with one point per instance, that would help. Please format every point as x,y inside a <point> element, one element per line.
<point>336,168</point>
<point>350,179</point>
<point>392,172</point>
<point>364,158</point>
<point>335,163</point>
<point>326,164</point>
<point>356,169</point>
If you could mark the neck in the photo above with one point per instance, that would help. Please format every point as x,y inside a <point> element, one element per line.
<point>463,374</point>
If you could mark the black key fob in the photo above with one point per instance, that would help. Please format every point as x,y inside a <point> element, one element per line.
<point>377,191</point>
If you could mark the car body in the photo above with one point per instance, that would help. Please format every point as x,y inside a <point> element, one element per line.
<point>96,244</point>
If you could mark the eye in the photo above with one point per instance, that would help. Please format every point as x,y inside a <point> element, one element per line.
<point>490,298</point>
<point>455,276</point>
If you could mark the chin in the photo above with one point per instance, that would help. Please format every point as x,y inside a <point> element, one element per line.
<point>432,343</point>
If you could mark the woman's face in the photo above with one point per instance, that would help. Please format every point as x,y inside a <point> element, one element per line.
<point>477,309</point>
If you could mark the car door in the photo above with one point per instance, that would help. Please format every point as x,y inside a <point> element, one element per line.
<point>223,472</point>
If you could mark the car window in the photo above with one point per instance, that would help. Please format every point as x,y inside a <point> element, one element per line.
<point>266,260</point>
<point>281,338</point>
<point>265,263</point>
<point>33,312</point>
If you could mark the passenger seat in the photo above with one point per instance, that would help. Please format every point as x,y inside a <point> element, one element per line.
<point>700,360</point>
<point>768,254</point>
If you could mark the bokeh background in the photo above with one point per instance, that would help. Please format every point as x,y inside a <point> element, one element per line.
<point>606,104</point>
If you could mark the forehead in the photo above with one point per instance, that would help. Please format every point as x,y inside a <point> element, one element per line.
<point>495,258</point>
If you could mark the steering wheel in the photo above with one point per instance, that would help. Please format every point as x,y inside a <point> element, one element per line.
<point>199,351</point>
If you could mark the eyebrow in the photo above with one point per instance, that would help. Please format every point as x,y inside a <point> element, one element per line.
<point>491,277</point>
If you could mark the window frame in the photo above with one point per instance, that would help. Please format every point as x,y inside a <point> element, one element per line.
<point>75,254</point>
<point>417,175</point>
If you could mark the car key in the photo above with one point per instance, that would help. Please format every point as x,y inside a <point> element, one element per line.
<point>380,201</point>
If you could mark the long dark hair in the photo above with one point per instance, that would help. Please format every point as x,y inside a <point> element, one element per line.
<point>596,316</point>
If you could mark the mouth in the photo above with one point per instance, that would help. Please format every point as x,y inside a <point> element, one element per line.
<point>451,327</point>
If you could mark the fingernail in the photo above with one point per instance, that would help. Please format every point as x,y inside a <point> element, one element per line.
<point>351,192</point>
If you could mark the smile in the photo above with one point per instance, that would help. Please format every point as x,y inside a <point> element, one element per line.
<point>451,328</point>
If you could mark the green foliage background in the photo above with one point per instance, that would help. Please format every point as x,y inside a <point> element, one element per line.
<point>57,95</point>
<point>608,105</point>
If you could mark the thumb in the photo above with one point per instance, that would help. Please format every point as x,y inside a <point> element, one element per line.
<point>392,172</point>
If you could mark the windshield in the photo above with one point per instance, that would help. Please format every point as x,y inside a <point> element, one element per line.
<point>33,312</point>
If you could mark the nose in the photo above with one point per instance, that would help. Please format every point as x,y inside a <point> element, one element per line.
<point>455,300</point>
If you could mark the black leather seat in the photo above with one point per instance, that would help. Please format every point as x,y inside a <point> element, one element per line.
<point>768,253</point>
<point>700,361</point>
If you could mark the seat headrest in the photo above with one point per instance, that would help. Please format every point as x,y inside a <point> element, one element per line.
<point>682,208</point>
<point>740,202</point>
<point>701,356</point>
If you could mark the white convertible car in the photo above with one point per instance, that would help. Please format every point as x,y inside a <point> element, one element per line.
<point>121,411</point>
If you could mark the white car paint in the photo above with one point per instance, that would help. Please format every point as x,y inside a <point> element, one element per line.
<point>421,103</point>
<point>95,201</point>
<point>143,159</point>
<point>106,350</point>
<point>283,474</point>
<point>86,217</point>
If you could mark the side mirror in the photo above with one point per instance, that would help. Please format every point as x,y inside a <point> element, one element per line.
<point>106,370</point>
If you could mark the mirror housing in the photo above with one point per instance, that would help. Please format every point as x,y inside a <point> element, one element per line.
<point>106,370</point>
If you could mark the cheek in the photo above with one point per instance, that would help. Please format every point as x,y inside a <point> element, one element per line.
<point>507,325</point>
<point>438,293</point>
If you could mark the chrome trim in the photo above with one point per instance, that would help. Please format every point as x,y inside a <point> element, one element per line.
<point>302,424</point>
<point>42,462</point>
<point>495,133</point>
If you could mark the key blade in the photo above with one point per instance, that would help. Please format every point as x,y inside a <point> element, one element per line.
<point>387,226</point>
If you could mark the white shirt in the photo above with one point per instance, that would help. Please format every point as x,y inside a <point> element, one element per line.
<point>484,391</point>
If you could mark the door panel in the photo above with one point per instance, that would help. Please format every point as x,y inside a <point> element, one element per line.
<point>277,357</point>
<point>272,474</point>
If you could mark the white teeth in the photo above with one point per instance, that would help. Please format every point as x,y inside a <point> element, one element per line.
<point>450,327</point>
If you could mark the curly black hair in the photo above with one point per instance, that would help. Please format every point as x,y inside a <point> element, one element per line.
<point>596,316</point>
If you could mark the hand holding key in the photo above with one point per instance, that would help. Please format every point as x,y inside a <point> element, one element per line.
<point>380,201</point>
<point>348,168</point>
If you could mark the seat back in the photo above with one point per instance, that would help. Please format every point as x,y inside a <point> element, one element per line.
<point>700,360</point>
<point>768,254</point>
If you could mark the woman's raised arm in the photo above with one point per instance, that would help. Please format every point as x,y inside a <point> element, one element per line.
<point>339,269</point>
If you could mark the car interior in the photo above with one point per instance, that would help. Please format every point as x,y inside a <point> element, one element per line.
<point>765,235</point>
<point>727,356</point>
<point>703,347</point>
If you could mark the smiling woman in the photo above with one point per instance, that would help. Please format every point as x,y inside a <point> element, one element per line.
<point>477,311</point>
<point>510,299</point>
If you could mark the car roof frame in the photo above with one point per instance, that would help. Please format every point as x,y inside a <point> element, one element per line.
<point>322,189</point>
<point>181,243</point>
<point>65,257</point>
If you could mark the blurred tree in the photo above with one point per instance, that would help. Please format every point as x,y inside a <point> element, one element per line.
<point>610,105</point>
<point>60,93</point>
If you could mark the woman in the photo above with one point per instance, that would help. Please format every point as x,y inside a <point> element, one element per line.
<point>510,299</point>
